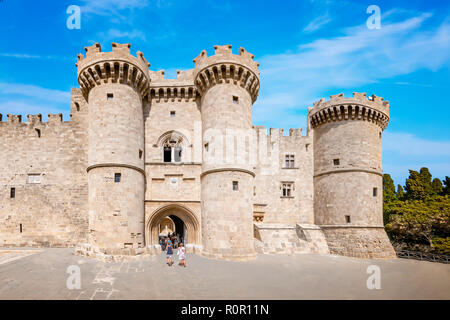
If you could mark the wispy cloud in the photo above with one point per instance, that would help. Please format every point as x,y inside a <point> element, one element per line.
<point>317,23</point>
<point>113,34</point>
<point>33,56</point>
<point>106,7</point>
<point>360,56</point>
<point>35,92</point>
<point>407,144</point>
<point>403,151</point>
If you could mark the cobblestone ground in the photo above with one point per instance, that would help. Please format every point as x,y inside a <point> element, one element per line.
<point>42,274</point>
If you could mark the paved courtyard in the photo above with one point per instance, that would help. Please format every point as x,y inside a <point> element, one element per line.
<point>42,274</point>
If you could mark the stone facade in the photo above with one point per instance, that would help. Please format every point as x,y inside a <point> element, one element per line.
<point>142,153</point>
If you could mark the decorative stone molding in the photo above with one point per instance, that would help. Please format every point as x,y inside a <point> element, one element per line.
<point>340,108</point>
<point>118,66</point>
<point>226,67</point>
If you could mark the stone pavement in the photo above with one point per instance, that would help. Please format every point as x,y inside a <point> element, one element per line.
<point>42,274</point>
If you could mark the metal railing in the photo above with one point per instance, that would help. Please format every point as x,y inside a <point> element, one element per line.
<point>417,255</point>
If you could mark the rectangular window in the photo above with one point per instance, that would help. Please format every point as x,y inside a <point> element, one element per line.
<point>287,188</point>
<point>207,146</point>
<point>235,186</point>
<point>336,162</point>
<point>13,193</point>
<point>289,160</point>
<point>117,177</point>
<point>374,192</point>
<point>172,113</point>
<point>109,96</point>
<point>235,99</point>
<point>347,219</point>
<point>20,228</point>
<point>34,178</point>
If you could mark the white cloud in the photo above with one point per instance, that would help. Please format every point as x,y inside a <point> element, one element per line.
<point>35,92</point>
<point>113,34</point>
<point>317,23</point>
<point>106,7</point>
<point>359,57</point>
<point>33,56</point>
<point>407,144</point>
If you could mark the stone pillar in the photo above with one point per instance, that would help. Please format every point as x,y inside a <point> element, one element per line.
<point>115,83</point>
<point>228,85</point>
<point>348,191</point>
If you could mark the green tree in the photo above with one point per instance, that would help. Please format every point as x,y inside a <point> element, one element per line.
<point>400,192</point>
<point>388,188</point>
<point>436,186</point>
<point>425,176</point>
<point>447,185</point>
<point>415,188</point>
<point>420,220</point>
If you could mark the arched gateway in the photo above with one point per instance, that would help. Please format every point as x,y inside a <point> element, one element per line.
<point>183,219</point>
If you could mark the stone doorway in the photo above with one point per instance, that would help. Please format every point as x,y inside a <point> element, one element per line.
<point>172,218</point>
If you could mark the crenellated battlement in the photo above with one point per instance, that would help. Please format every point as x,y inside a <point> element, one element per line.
<point>117,66</point>
<point>226,67</point>
<point>359,107</point>
<point>279,132</point>
<point>33,119</point>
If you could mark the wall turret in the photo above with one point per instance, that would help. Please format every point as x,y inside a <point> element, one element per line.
<point>348,192</point>
<point>115,84</point>
<point>228,85</point>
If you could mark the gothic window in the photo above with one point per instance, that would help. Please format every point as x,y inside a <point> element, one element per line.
<point>173,148</point>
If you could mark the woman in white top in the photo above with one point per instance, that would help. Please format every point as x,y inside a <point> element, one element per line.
<point>182,254</point>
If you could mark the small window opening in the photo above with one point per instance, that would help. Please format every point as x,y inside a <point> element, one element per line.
<point>140,154</point>
<point>77,106</point>
<point>287,189</point>
<point>336,162</point>
<point>254,190</point>
<point>289,160</point>
<point>20,228</point>
<point>380,134</point>
<point>347,219</point>
<point>38,131</point>
<point>235,186</point>
<point>13,193</point>
<point>172,113</point>
<point>235,99</point>
<point>109,96</point>
<point>167,154</point>
<point>207,146</point>
<point>374,192</point>
<point>117,177</point>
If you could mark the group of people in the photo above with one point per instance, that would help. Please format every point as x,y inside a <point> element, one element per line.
<point>171,242</point>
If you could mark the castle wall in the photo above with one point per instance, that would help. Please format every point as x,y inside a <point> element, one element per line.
<point>54,211</point>
<point>270,174</point>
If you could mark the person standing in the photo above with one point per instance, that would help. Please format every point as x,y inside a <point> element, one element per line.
<point>182,255</point>
<point>169,253</point>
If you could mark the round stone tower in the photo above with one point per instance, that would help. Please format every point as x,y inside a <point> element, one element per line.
<point>114,84</point>
<point>348,191</point>
<point>228,85</point>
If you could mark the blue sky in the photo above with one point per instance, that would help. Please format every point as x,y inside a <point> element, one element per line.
<point>306,50</point>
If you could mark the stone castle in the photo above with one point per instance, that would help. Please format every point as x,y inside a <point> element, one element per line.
<point>143,155</point>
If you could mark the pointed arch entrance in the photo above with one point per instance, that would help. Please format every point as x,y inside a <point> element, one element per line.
<point>184,222</point>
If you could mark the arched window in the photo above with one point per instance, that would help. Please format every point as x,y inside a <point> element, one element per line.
<point>172,147</point>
